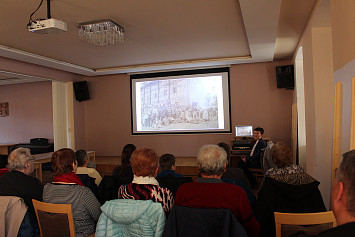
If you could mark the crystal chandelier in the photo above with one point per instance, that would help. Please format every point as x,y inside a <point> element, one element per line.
<point>101,32</point>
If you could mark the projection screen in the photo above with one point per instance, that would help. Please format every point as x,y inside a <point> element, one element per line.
<point>191,101</point>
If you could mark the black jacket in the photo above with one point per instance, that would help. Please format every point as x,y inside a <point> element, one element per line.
<point>255,158</point>
<point>16,183</point>
<point>291,193</point>
<point>195,222</point>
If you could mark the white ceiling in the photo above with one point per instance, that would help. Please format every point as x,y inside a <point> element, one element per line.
<point>160,34</point>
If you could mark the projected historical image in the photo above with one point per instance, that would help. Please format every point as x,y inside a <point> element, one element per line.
<point>190,103</point>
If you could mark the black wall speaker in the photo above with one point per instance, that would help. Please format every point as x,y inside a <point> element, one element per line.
<point>81,90</point>
<point>285,77</point>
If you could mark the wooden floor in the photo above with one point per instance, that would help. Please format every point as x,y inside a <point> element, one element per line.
<point>184,165</point>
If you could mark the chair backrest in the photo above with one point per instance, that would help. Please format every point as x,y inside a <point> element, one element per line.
<point>88,182</point>
<point>173,183</point>
<point>54,219</point>
<point>192,222</point>
<point>308,223</point>
<point>108,188</point>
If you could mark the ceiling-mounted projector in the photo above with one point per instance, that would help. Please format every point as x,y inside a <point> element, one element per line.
<point>48,26</point>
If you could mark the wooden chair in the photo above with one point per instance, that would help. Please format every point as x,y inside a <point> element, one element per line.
<point>309,223</point>
<point>54,219</point>
<point>258,174</point>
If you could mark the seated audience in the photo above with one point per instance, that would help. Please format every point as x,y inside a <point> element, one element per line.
<point>67,188</point>
<point>254,159</point>
<point>125,169</point>
<point>210,192</point>
<point>167,166</point>
<point>286,188</point>
<point>343,198</point>
<point>145,164</point>
<point>19,182</point>
<point>3,164</point>
<point>232,172</point>
<point>268,163</point>
<point>82,158</point>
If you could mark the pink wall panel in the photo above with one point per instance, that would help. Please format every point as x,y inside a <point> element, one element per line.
<point>30,112</point>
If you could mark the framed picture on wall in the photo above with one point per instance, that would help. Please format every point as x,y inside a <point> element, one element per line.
<point>4,109</point>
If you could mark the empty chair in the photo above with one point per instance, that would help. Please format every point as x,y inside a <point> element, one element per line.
<point>295,224</point>
<point>54,219</point>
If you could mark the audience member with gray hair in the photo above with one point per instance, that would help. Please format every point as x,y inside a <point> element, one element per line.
<point>343,198</point>
<point>19,182</point>
<point>210,192</point>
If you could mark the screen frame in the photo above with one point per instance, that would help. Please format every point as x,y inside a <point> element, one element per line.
<point>161,76</point>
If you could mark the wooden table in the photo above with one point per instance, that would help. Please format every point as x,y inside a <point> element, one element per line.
<point>5,149</point>
<point>46,157</point>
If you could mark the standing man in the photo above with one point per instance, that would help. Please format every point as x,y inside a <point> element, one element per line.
<point>19,182</point>
<point>343,198</point>
<point>253,160</point>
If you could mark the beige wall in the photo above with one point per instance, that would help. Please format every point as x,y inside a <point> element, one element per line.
<point>343,34</point>
<point>254,100</point>
<point>343,22</point>
<point>328,57</point>
<point>30,112</point>
<point>316,43</point>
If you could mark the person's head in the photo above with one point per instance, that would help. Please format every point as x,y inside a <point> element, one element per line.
<point>211,160</point>
<point>127,151</point>
<point>3,161</point>
<point>258,133</point>
<point>167,162</point>
<point>144,162</point>
<point>343,191</point>
<point>281,155</point>
<point>82,158</point>
<point>21,159</point>
<point>63,161</point>
<point>227,148</point>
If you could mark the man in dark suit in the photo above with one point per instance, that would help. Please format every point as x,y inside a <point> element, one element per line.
<point>253,160</point>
